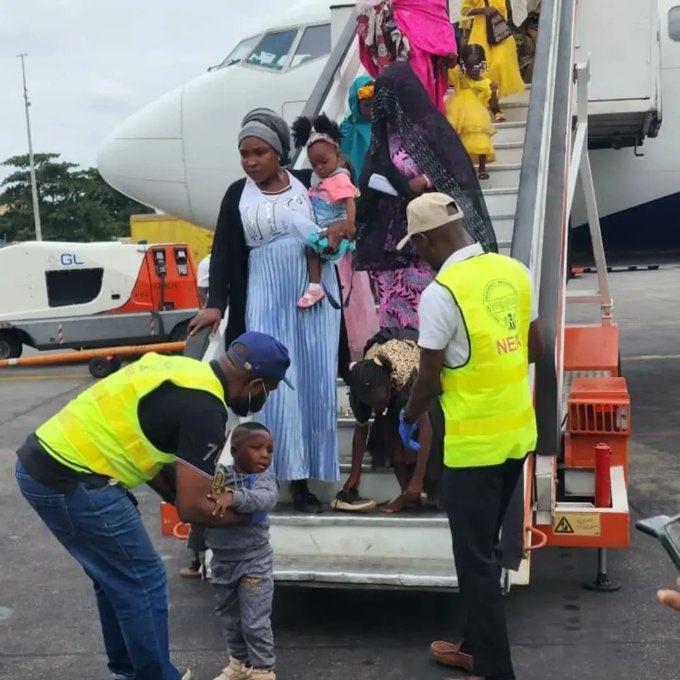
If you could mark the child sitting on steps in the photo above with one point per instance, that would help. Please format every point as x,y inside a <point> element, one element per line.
<point>332,194</point>
<point>242,565</point>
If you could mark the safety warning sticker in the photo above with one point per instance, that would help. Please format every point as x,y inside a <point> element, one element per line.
<point>577,524</point>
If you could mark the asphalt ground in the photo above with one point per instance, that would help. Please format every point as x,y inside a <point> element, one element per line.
<point>48,621</point>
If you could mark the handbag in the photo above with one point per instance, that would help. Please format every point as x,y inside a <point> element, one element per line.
<point>497,28</point>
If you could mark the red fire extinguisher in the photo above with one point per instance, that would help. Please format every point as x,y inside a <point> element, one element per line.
<point>603,464</point>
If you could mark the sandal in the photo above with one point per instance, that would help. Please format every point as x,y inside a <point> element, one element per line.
<point>483,175</point>
<point>499,118</point>
<point>408,500</point>
<point>310,298</point>
<point>349,500</point>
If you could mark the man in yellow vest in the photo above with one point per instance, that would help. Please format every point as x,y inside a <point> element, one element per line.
<point>477,335</point>
<point>77,468</point>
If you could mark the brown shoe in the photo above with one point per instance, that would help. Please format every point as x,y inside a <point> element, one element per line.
<point>449,654</point>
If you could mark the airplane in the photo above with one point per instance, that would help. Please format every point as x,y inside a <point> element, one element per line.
<point>179,154</point>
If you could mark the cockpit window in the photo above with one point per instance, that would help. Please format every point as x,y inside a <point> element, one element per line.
<point>241,51</point>
<point>272,50</point>
<point>674,23</point>
<point>315,43</point>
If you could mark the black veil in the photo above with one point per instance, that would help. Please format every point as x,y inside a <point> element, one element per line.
<point>402,105</point>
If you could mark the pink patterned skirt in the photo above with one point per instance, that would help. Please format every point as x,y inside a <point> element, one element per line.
<point>361,317</point>
<point>399,292</point>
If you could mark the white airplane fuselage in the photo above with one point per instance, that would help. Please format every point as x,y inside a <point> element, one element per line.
<point>179,153</point>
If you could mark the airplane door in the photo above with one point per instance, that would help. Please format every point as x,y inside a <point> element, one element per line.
<point>669,18</point>
<point>291,110</point>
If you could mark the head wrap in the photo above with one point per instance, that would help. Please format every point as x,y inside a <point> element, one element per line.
<point>268,126</point>
<point>355,130</point>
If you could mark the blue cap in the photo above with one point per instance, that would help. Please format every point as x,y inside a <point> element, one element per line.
<point>262,355</point>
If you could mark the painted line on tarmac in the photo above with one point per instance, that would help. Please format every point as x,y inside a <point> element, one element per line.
<point>45,376</point>
<point>661,433</point>
<point>651,357</point>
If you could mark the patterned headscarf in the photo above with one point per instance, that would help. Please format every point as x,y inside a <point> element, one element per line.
<point>402,104</point>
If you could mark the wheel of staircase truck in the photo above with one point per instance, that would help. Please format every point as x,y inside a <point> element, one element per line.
<point>100,367</point>
<point>10,345</point>
<point>179,332</point>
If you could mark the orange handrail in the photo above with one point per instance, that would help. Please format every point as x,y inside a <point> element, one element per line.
<point>86,355</point>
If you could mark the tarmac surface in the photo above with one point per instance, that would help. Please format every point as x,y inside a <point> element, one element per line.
<point>48,621</point>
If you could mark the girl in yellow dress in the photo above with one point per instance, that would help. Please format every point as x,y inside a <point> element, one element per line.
<point>502,58</point>
<point>467,109</point>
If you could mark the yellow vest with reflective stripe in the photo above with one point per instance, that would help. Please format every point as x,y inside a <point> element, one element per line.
<point>487,406</point>
<point>99,430</point>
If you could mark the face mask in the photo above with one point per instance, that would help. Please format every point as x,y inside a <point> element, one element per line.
<point>244,407</point>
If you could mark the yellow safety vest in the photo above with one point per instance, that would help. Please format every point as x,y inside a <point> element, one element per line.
<point>487,406</point>
<point>99,430</point>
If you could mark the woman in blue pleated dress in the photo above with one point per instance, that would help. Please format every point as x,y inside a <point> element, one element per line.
<point>258,269</point>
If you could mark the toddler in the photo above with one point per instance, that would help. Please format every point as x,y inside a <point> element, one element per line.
<point>332,195</point>
<point>242,565</point>
<point>468,107</point>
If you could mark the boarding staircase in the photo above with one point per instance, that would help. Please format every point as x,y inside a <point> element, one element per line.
<point>410,549</point>
<point>541,151</point>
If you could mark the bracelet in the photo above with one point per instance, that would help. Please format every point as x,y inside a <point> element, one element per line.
<point>427,181</point>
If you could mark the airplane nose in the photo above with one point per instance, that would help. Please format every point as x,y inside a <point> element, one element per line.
<point>143,157</point>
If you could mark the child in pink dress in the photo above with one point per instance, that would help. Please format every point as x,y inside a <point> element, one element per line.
<point>332,193</point>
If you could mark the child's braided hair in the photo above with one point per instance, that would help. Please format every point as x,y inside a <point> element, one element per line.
<point>370,374</point>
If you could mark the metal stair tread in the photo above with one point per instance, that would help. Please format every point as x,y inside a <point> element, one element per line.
<point>503,167</point>
<point>366,571</point>
<point>514,104</point>
<point>499,146</point>
<point>508,124</point>
<point>500,191</point>
<point>284,516</point>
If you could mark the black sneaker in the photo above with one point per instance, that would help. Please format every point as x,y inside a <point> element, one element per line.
<point>308,503</point>
<point>349,500</point>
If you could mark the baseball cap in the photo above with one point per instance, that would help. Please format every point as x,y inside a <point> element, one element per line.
<point>428,212</point>
<point>262,355</point>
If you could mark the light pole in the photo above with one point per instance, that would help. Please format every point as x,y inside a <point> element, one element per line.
<point>31,164</point>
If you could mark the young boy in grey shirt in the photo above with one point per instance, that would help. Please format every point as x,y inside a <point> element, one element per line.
<point>242,565</point>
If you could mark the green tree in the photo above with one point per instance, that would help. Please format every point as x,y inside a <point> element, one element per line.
<point>75,204</point>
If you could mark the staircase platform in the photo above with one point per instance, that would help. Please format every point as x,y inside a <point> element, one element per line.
<point>417,574</point>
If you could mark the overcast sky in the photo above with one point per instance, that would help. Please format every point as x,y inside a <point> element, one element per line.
<point>92,63</point>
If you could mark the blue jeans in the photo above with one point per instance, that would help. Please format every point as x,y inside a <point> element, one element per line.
<point>103,531</point>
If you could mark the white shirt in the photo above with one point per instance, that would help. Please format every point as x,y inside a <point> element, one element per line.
<point>441,321</point>
<point>203,275</point>
<point>266,216</point>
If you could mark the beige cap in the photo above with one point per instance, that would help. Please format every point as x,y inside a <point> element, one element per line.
<point>428,212</point>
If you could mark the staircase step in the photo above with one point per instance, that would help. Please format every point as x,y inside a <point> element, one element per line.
<point>380,486</point>
<point>511,131</point>
<point>501,175</point>
<point>503,225</point>
<point>514,112</point>
<point>372,536</point>
<point>501,201</point>
<point>365,571</point>
<point>508,152</point>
